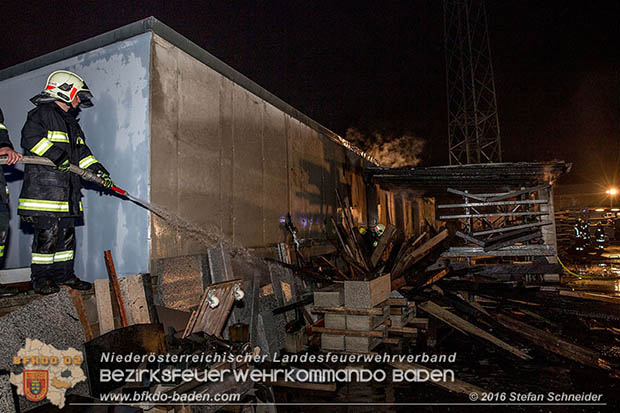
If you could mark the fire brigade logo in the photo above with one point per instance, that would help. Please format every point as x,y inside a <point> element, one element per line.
<point>36,384</point>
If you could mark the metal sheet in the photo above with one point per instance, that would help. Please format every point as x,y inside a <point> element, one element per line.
<point>117,131</point>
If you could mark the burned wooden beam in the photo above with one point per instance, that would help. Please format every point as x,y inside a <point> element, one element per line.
<point>410,258</point>
<point>466,327</point>
<point>384,242</point>
<point>469,238</point>
<point>511,228</point>
<point>518,193</point>
<point>109,263</point>
<point>554,343</point>
<point>509,242</point>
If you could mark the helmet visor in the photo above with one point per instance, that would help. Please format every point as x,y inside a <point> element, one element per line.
<point>85,99</point>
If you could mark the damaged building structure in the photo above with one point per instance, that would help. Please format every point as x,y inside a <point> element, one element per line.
<point>186,132</point>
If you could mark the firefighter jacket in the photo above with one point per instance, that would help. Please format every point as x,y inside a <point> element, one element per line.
<point>55,134</point>
<point>4,142</point>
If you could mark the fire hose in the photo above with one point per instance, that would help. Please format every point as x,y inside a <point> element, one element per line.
<point>85,174</point>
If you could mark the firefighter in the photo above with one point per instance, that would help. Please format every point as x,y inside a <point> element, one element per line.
<point>600,237</point>
<point>50,200</point>
<point>6,149</point>
<point>582,235</point>
<point>371,236</point>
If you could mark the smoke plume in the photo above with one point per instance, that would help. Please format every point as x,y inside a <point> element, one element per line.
<point>390,151</point>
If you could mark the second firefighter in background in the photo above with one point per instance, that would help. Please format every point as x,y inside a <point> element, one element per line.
<point>50,200</point>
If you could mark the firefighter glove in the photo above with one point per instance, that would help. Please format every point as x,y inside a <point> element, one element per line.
<point>107,182</point>
<point>64,167</point>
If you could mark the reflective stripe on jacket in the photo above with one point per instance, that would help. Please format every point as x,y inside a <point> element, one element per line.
<point>4,142</point>
<point>55,134</point>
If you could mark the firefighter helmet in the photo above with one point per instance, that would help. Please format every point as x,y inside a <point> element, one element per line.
<point>63,85</point>
<point>379,229</point>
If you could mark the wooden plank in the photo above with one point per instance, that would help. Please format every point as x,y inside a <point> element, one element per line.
<point>591,296</point>
<point>347,310</point>
<point>109,263</point>
<point>105,314</point>
<point>510,242</point>
<point>436,277</point>
<point>78,303</point>
<point>554,343</point>
<point>469,238</point>
<point>420,323</point>
<point>466,327</point>
<point>512,228</point>
<point>343,275</point>
<point>372,333</point>
<point>384,241</point>
<point>343,244</point>
<point>414,256</point>
<point>354,237</point>
<point>456,386</point>
<point>134,297</point>
<point>399,302</point>
<point>405,248</point>
<point>403,330</point>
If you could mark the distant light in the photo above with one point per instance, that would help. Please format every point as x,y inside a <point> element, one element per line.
<point>600,209</point>
<point>615,209</point>
<point>612,191</point>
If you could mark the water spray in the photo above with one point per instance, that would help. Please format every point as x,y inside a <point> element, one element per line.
<point>207,236</point>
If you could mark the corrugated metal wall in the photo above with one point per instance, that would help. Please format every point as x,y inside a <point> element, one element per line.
<point>117,131</point>
<point>222,156</point>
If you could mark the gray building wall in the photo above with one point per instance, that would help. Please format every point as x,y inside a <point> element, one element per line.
<point>223,157</point>
<point>117,131</point>
<point>178,127</point>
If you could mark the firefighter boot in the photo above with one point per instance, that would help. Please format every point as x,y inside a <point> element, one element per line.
<point>44,286</point>
<point>77,284</point>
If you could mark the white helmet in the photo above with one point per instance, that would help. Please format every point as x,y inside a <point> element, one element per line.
<point>64,86</point>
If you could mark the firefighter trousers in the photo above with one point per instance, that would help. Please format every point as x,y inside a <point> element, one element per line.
<point>53,248</point>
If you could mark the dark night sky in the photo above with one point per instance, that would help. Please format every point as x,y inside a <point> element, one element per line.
<point>380,65</point>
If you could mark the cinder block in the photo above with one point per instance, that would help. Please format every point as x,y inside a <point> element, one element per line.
<point>336,321</point>
<point>181,281</point>
<point>401,320</point>
<point>332,342</point>
<point>332,296</point>
<point>368,322</point>
<point>361,344</point>
<point>367,294</point>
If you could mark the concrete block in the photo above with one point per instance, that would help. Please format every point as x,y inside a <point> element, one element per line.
<point>336,321</point>
<point>332,296</point>
<point>332,342</point>
<point>401,320</point>
<point>361,344</point>
<point>367,294</point>
<point>368,322</point>
<point>181,281</point>
<point>135,299</point>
